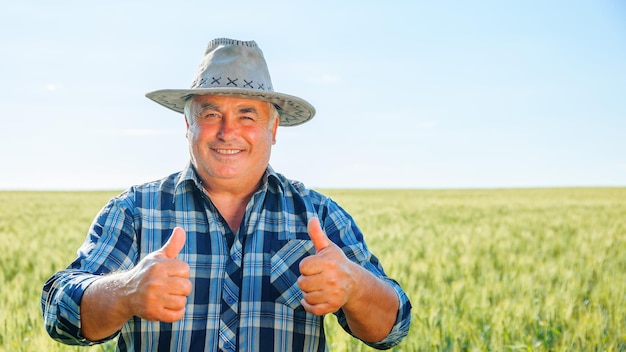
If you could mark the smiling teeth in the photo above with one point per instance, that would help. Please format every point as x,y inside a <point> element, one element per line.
<point>227,151</point>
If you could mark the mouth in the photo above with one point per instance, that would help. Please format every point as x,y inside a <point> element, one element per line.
<point>227,151</point>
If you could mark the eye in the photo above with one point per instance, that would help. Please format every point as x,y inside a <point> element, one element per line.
<point>210,115</point>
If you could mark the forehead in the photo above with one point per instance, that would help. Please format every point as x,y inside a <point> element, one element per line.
<point>223,102</point>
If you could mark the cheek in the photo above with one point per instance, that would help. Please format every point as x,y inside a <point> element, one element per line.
<point>267,139</point>
<point>195,133</point>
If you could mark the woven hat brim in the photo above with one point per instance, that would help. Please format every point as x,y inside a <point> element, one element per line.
<point>292,110</point>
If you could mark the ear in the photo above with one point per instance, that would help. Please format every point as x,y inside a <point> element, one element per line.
<point>275,129</point>
<point>189,110</point>
<point>186,127</point>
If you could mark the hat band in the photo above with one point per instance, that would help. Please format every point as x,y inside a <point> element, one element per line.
<point>230,82</point>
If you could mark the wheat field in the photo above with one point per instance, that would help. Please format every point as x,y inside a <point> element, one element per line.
<point>486,270</point>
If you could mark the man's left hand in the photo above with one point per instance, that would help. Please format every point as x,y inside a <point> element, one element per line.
<point>328,279</point>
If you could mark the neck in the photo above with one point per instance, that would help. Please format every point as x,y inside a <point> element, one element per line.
<point>231,202</point>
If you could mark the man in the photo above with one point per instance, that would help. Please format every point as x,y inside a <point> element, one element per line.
<point>227,254</point>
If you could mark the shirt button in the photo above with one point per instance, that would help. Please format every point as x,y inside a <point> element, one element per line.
<point>230,300</point>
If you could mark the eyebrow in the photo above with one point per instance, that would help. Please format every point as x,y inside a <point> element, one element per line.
<point>248,110</point>
<point>244,110</point>
<point>208,106</point>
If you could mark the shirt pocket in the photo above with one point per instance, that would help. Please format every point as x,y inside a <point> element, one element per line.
<point>285,270</point>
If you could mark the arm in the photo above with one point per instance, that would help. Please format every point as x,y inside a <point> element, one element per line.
<point>372,307</point>
<point>82,308</point>
<point>103,311</point>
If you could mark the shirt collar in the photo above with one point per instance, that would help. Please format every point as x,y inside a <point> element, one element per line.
<point>272,179</point>
<point>187,175</point>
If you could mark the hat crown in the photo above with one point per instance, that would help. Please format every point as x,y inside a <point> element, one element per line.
<point>230,63</point>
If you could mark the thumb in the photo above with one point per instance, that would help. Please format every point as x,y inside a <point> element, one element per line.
<point>175,243</point>
<point>317,235</point>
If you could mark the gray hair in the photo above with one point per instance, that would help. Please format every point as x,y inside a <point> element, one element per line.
<point>190,112</point>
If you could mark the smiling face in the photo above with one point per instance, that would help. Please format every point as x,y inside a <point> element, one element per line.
<point>230,140</point>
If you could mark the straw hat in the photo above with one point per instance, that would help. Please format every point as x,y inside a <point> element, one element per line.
<point>236,68</point>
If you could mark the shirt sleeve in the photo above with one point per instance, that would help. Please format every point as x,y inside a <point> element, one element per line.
<point>109,247</point>
<point>60,302</point>
<point>342,230</point>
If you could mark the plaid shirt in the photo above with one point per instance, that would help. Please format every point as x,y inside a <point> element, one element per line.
<point>244,296</point>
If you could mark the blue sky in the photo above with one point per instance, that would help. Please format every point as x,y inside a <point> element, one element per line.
<point>409,94</point>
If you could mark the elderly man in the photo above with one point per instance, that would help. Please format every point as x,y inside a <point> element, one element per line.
<point>227,254</point>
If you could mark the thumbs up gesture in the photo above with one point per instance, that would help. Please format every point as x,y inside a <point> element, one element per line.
<point>158,286</point>
<point>328,279</point>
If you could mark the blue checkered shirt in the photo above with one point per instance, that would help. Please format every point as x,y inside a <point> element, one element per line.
<point>244,296</point>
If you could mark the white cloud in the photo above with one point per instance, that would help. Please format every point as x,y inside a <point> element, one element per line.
<point>51,87</point>
<point>138,132</point>
<point>325,78</point>
<point>426,123</point>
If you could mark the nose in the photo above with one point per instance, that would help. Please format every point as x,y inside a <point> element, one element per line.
<point>228,128</point>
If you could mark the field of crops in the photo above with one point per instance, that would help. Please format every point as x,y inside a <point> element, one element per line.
<point>492,270</point>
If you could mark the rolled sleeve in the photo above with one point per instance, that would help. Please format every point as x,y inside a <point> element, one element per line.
<point>109,246</point>
<point>60,302</point>
<point>342,230</point>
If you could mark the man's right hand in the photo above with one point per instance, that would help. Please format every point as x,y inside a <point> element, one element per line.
<point>157,288</point>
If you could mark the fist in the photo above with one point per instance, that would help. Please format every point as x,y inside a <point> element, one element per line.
<point>159,285</point>
<point>327,278</point>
